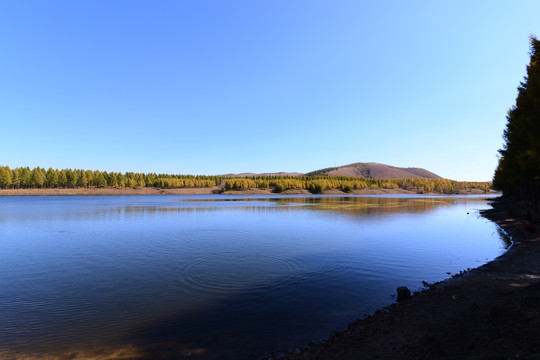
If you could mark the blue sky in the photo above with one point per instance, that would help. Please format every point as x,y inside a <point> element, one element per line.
<point>212,87</point>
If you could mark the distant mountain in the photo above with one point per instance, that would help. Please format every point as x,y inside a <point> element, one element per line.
<point>263,174</point>
<point>365,170</point>
<point>375,171</point>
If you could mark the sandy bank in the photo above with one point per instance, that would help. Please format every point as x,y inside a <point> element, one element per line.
<point>194,191</point>
<point>492,312</point>
<point>108,191</point>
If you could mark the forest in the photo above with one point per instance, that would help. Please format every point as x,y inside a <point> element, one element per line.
<point>24,178</point>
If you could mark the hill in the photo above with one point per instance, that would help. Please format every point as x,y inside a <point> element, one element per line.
<point>375,171</point>
<point>248,174</point>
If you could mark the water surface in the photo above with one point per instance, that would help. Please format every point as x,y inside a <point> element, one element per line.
<point>210,276</point>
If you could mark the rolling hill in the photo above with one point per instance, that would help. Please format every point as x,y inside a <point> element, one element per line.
<point>249,174</point>
<point>375,171</point>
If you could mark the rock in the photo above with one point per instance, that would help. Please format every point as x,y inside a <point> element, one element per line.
<point>403,293</point>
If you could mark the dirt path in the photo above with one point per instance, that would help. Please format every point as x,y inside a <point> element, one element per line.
<point>492,312</point>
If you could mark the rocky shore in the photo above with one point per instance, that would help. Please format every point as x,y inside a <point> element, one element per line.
<point>491,312</point>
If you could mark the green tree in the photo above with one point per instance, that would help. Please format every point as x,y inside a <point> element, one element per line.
<point>82,181</point>
<point>132,183</point>
<point>72,177</point>
<point>99,179</point>
<point>25,175</point>
<point>16,178</point>
<point>51,178</point>
<point>121,180</point>
<point>112,180</point>
<point>5,177</point>
<point>38,177</point>
<point>62,178</point>
<point>519,164</point>
<point>90,177</point>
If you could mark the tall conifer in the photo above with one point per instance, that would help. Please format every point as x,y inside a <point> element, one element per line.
<point>519,164</point>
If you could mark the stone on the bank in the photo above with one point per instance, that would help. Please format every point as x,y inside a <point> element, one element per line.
<point>403,293</point>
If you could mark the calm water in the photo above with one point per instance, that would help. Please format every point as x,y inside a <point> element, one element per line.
<point>217,276</point>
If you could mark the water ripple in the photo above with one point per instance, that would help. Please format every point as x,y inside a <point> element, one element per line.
<point>228,273</point>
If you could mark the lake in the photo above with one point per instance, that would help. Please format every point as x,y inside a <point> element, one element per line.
<point>218,276</point>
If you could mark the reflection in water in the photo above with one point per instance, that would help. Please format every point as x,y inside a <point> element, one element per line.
<point>357,205</point>
<point>215,276</point>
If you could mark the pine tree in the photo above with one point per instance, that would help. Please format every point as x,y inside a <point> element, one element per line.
<point>72,177</point>
<point>51,178</point>
<point>38,177</point>
<point>25,175</point>
<point>519,164</point>
<point>99,179</point>
<point>5,177</point>
<point>62,178</point>
<point>82,181</point>
<point>89,177</point>
<point>16,178</point>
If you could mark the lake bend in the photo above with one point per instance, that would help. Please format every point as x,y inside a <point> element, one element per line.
<point>218,276</point>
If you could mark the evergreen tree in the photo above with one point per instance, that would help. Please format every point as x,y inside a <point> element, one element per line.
<point>121,179</point>
<point>16,178</point>
<point>99,179</point>
<point>51,178</point>
<point>112,180</point>
<point>519,164</point>
<point>72,177</point>
<point>82,181</point>
<point>25,176</point>
<point>38,177</point>
<point>62,178</point>
<point>5,177</point>
<point>89,177</point>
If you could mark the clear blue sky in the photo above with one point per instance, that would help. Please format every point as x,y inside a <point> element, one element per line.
<point>212,87</point>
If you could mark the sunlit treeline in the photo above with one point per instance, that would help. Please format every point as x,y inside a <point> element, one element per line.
<point>318,184</point>
<point>24,177</point>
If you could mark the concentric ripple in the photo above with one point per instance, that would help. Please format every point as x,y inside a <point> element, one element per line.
<point>230,273</point>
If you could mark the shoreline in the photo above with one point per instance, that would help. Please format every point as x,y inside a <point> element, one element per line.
<point>489,312</point>
<point>205,191</point>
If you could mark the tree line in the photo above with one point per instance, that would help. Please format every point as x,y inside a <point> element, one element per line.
<point>318,184</point>
<point>24,178</point>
